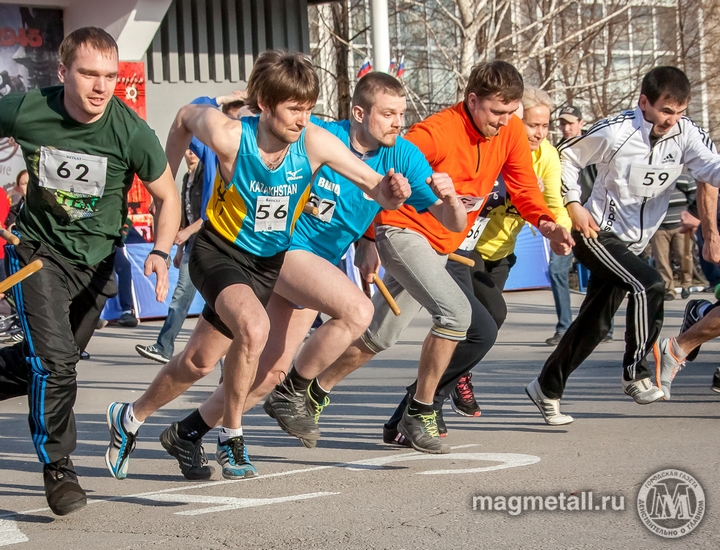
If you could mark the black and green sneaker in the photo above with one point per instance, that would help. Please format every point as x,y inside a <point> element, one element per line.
<point>422,432</point>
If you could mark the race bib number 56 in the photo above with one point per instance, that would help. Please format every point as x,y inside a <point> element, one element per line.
<point>649,181</point>
<point>76,180</point>
<point>271,214</point>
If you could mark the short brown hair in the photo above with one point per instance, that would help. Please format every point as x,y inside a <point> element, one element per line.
<point>279,76</point>
<point>372,84</point>
<point>91,37</point>
<point>495,78</point>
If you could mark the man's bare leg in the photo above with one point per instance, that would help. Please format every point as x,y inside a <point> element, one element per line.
<point>434,359</point>
<point>354,357</point>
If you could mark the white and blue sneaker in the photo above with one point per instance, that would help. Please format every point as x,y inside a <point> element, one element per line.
<point>122,442</point>
<point>232,456</point>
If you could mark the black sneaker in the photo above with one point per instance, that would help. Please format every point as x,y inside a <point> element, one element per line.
<point>690,317</point>
<point>716,381</point>
<point>440,421</point>
<point>128,319</point>
<point>151,352</point>
<point>190,456</point>
<point>669,296</point>
<point>394,437</point>
<point>462,397</point>
<point>62,490</point>
<point>288,407</point>
<point>554,340</point>
<point>422,431</point>
<point>685,293</point>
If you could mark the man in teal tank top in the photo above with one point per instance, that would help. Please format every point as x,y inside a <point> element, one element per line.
<point>82,147</point>
<point>265,166</point>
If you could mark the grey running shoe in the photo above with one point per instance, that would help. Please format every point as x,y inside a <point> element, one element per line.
<point>314,409</point>
<point>642,391</point>
<point>550,408</point>
<point>152,352</point>
<point>232,456</point>
<point>289,408</point>
<point>122,442</point>
<point>422,432</point>
<point>666,365</point>
<point>190,456</point>
<point>690,317</point>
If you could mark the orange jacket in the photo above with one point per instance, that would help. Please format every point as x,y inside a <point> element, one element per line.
<point>452,144</point>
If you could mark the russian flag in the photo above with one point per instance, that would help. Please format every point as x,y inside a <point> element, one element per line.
<point>401,68</point>
<point>365,68</point>
<point>393,65</point>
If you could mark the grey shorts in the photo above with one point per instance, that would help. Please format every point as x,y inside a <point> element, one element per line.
<point>416,277</point>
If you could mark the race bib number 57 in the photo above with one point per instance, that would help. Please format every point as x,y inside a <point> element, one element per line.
<point>649,181</point>
<point>77,180</point>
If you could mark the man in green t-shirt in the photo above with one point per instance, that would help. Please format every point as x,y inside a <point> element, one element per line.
<point>82,147</point>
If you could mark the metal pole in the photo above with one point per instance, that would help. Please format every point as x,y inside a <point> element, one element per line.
<point>380,36</point>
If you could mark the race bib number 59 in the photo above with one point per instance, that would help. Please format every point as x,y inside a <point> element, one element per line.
<point>649,181</point>
<point>271,214</point>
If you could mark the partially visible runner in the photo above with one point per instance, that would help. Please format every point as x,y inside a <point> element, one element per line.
<point>472,142</point>
<point>239,251</point>
<point>309,280</point>
<point>500,224</point>
<point>82,148</point>
<point>639,155</point>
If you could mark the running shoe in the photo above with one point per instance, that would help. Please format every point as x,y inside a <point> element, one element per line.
<point>549,408</point>
<point>289,408</point>
<point>462,397</point>
<point>690,317</point>
<point>554,340</point>
<point>440,421</point>
<point>716,381</point>
<point>422,432</point>
<point>394,437</point>
<point>666,365</point>
<point>190,456</point>
<point>62,490</point>
<point>232,456</point>
<point>122,442</point>
<point>642,391</point>
<point>152,352</point>
<point>128,319</point>
<point>314,409</point>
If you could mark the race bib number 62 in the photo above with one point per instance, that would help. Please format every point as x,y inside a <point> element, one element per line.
<point>649,181</point>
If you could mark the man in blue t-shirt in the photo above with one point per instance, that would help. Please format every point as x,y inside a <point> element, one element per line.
<point>310,282</point>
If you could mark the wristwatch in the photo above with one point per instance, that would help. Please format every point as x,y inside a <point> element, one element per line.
<point>164,255</point>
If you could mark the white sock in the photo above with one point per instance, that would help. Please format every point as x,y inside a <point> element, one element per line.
<point>229,433</point>
<point>129,422</point>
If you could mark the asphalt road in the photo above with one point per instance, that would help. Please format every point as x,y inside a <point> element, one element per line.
<point>353,491</point>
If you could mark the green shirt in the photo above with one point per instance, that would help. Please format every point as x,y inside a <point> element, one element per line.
<point>80,174</point>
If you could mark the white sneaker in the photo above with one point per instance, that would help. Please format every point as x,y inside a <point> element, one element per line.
<point>667,365</point>
<point>550,408</point>
<point>642,391</point>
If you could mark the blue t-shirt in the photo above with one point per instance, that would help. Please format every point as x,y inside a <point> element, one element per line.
<point>258,209</point>
<point>344,211</point>
<point>207,157</point>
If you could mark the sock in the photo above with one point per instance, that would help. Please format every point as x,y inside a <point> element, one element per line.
<point>228,433</point>
<point>129,422</point>
<point>299,384</point>
<point>193,427</point>
<point>677,350</point>
<point>317,392</point>
<point>418,407</point>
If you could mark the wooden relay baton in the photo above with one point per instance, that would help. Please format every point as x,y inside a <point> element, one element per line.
<point>25,272</point>
<point>9,237</point>
<point>461,259</point>
<point>386,294</point>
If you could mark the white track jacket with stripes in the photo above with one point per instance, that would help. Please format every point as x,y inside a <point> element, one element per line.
<point>631,171</point>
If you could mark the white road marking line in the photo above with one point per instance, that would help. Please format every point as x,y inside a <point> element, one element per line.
<point>507,460</point>
<point>10,534</point>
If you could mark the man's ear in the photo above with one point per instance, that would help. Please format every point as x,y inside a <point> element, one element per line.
<point>643,102</point>
<point>358,113</point>
<point>62,71</point>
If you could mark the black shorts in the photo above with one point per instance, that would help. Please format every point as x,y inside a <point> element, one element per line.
<point>216,264</point>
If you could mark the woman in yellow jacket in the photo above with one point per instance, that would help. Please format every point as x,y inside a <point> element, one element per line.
<point>500,223</point>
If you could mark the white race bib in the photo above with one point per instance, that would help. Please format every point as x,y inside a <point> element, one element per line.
<point>471,203</point>
<point>271,214</point>
<point>649,181</point>
<point>474,234</point>
<point>326,208</point>
<point>77,180</point>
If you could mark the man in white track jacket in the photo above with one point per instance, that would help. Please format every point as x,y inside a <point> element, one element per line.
<point>639,155</point>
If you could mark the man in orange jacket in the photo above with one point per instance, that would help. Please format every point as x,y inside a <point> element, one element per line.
<point>473,142</point>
